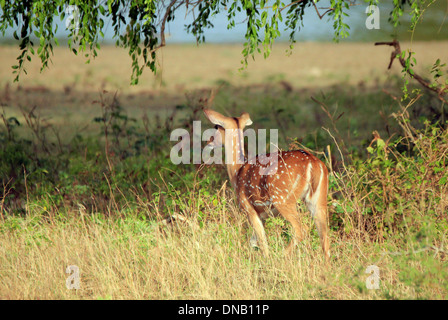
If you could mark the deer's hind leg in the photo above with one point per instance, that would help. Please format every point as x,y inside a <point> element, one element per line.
<point>318,208</point>
<point>319,213</point>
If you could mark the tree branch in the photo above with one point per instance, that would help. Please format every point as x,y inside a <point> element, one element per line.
<point>162,27</point>
<point>441,90</point>
<point>165,17</point>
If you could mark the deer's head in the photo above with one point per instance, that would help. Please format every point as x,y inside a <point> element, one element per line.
<point>226,128</point>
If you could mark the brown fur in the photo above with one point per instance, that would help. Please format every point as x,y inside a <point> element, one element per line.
<point>299,176</point>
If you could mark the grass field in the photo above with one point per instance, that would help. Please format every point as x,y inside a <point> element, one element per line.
<point>86,178</point>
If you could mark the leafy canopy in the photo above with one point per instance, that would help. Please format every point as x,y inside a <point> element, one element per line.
<point>144,23</point>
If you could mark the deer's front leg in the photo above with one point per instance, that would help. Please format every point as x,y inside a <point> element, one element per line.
<point>257,224</point>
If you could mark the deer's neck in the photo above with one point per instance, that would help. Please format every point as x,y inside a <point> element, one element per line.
<point>235,157</point>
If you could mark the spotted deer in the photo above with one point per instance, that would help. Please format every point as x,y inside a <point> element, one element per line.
<point>261,190</point>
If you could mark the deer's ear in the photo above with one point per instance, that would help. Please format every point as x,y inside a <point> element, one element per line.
<point>216,117</point>
<point>245,119</point>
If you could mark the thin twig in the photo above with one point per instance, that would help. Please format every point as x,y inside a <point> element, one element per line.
<point>317,11</point>
<point>6,191</point>
<point>329,9</point>
<point>288,5</point>
<point>426,248</point>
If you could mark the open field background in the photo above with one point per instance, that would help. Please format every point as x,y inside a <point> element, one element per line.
<point>87,179</point>
<point>64,93</point>
<point>187,66</point>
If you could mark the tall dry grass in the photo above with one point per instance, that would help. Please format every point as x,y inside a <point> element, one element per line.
<point>133,258</point>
